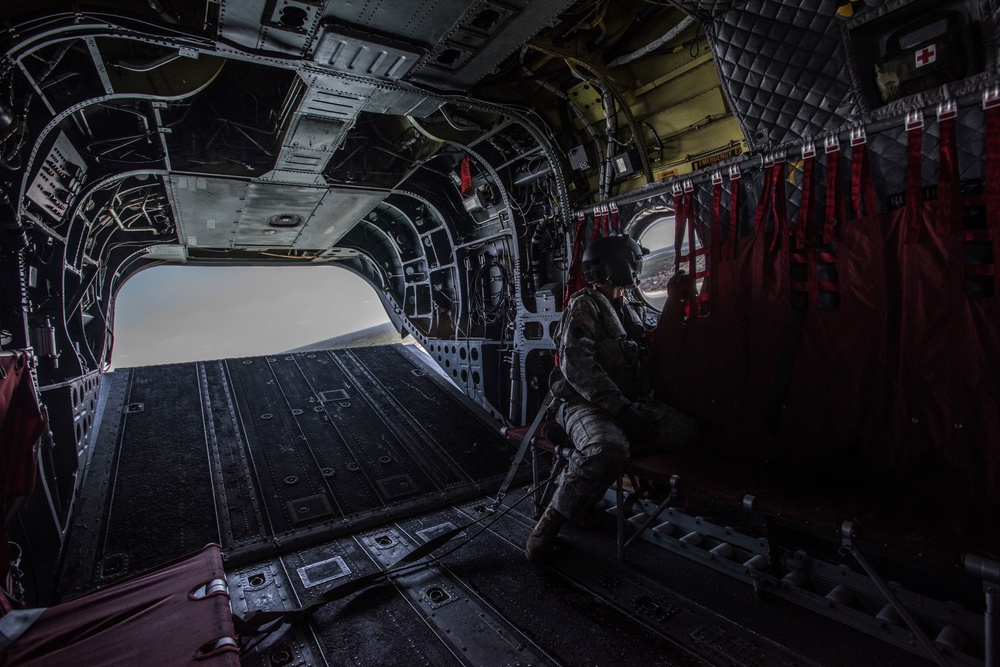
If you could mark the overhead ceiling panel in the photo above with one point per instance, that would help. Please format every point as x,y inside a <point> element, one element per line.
<point>364,54</point>
<point>284,25</point>
<point>207,209</point>
<point>329,98</point>
<point>424,22</point>
<point>337,213</point>
<point>310,144</point>
<point>269,206</point>
<point>487,32</point>
<point>232,213</point>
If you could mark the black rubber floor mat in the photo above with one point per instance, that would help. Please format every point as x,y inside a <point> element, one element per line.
<point>480,602</point>
<point>268,454</point>
<point>161,487</point>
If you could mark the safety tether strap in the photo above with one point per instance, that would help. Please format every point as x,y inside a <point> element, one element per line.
<point>260,621</point>
<point>255,621</point>
<point>525,441</point>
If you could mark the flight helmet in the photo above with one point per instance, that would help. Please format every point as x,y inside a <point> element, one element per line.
<point>616,260</point>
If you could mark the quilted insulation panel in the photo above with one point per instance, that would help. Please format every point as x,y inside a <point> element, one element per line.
<point>789,69</point>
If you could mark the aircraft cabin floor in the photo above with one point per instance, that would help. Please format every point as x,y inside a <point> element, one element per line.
<point>311,469</point>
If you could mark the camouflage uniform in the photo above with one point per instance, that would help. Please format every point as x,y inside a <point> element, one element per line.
<point>601,372</point>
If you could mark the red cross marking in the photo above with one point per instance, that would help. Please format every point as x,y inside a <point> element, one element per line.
<point>927,55</point>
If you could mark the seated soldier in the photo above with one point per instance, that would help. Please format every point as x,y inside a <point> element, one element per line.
<point>603,391</point>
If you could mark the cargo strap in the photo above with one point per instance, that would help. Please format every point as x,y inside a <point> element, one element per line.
<point>521,450</point>
<point>262,621</point>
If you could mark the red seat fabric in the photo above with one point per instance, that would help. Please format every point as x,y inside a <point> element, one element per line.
<point>21,425</point>
<point>944,354</point>
<point>151,619</point>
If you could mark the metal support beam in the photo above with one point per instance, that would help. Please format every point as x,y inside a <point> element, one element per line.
<point>989,571</point>
<point>934,654</point>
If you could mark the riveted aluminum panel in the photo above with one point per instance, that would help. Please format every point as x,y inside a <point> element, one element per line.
<point>364,55</point>
<point>483,37</point>
<point>402,103</point>
<point>266,200</point>
<point>330,96</point>
<point>285,26</point>
<point>414,22</point>
<point>207,208</point>
<point>316,134</point>
<point>311,143</point>
<point>338,211</point>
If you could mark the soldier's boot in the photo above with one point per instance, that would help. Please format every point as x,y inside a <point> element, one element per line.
<point>542,540</point>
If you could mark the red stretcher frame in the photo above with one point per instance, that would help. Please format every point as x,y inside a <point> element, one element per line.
<point>178,614</point>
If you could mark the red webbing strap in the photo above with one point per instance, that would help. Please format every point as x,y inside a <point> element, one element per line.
<point>466,174</point>
<point>806,223</point>
<point>779,203</point>
<point>575,269</point>
<point>765,197</point>
<point>993,185</point>
<point>680,225</point>
<point>834,200</point>
<point>600,223</point>
<point>692,256</point>
<point>914,182</point>
<point>856,167</point>
<point>734,214</point>
<point>863,199</point>
<point>716,251</point>
<point>949,205</point>
<point>805,204</point>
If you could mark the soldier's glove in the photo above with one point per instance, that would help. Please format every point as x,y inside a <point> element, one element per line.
<point>680,287</point>
<point>638,426</point>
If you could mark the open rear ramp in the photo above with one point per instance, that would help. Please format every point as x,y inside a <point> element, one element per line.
<point>270,453</point>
